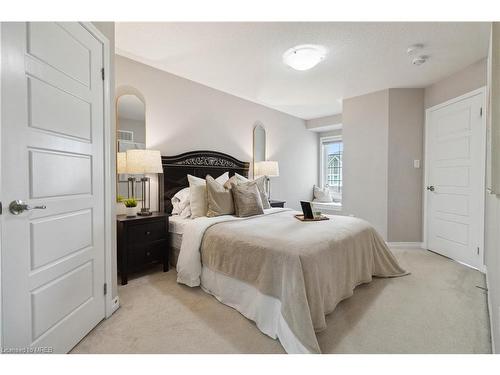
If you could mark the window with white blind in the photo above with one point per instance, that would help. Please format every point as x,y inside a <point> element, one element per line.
<point>332,149</point>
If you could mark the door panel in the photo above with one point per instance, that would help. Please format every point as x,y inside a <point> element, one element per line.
<point>53,44</point>
<point>46,169</point>
<point>66,293</point>
<point>54,237</point>
<point>455,137</point>
<point>52,145</point>
<point>58,111</point>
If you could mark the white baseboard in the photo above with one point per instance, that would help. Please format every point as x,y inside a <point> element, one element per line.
<point>115,305</point>
<point>398,245</point>
<point>490,312</point>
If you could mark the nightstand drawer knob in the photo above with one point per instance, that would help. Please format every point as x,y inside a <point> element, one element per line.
<point>148,233</point>
<point>148,253</point>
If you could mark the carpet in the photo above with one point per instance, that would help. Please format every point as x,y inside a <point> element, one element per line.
<point>437,309</point>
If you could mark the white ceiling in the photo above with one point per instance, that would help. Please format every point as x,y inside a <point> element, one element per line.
<point>245,59</point>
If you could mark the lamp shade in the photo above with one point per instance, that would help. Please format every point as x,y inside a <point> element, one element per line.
<point>267,168</point>
<point>121,162</point>
<point>144,161</point>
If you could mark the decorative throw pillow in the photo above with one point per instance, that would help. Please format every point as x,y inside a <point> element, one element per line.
<point>233,180</point>
<point>322,194</point>
<point>261,181</point>
<point>198,194</point>
<point>219,199</point>
<point>247,201</point>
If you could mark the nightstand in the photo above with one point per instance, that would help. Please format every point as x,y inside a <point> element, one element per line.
<point>142,241</point>
<point>275,203</point>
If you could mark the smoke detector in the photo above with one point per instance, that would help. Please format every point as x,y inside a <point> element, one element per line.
<point>419,60</point>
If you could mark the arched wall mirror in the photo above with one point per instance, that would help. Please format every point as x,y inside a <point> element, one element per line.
<point>130,134</point>
<point>259,143</point>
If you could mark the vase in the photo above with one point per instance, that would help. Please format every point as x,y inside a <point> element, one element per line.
<point>131,211</point>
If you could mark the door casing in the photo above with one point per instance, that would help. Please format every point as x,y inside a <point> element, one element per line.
<point>111,304</point>
<point>470,94</point>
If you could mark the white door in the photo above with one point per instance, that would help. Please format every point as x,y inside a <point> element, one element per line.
<point>52,156</point>
<point>455,155</point>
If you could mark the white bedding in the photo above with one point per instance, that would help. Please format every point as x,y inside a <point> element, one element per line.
<point>264,310</point>
<point>176,224</point>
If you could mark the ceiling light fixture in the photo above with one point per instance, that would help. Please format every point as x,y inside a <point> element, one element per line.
<point>304,57</point>
<point>412,50</point>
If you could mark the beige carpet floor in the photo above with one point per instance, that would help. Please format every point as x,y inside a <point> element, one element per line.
<point>436,309</point>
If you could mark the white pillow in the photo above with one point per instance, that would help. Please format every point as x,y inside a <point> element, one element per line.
<point>186,212</point>
<point>198,194</point>
<point>322,194</point>
<point>180,201</point>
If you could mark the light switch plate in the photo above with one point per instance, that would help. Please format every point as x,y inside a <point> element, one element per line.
<point>416,163</point>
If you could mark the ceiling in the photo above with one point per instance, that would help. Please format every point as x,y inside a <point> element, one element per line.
<point>245,59</point>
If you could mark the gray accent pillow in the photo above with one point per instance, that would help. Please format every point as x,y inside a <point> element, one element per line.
<point>247,200</point>
<point>239,179</point>
<point>219,199</point>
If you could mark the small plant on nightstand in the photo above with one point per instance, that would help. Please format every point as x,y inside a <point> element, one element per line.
<point>130,204</point>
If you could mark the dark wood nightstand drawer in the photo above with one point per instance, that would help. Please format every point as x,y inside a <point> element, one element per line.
<point>147,254</point>
<point>147,232</point>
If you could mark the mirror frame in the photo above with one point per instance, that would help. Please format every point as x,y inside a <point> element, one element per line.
<point>258,126</point>
<point>120,92</point>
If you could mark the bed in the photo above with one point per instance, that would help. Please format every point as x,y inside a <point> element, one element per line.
<point>281,273</point>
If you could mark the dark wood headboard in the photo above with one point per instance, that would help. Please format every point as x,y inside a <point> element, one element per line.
<point>196,163</point>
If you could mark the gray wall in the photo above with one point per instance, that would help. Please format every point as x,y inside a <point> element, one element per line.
<point>365,136</point>
<point>406,132</point>
<point>182,115</point>
<point>382,134</point>
<point>462,82</point>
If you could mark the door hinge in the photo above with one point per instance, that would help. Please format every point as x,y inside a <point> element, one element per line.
<point>480,111</point>
<point>105,288</point>
<point>102,73</point>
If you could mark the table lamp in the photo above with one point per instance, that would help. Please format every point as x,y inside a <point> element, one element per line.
<point>269,169</point>
<point>142,162</point>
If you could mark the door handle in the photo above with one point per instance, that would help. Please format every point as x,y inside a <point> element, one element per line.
<point>430,188</point>
<point>18,207</point>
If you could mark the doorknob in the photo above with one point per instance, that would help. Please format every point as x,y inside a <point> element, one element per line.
<point>430,188</point>
<point>17,207</point>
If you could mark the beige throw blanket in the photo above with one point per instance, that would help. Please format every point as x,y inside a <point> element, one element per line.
<point>309,266</point>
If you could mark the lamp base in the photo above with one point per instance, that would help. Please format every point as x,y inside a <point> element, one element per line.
<point>144,213</point>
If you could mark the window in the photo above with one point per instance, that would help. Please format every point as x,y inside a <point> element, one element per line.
<point>331,165</point>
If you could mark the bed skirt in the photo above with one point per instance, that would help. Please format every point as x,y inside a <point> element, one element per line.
<point>264,310</point>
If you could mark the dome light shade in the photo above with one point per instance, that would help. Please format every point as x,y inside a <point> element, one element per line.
<point>304,57</point>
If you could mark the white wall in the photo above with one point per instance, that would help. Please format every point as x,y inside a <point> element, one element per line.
<point>492,215</point>
<point>108,29</point>
<point>365,136</point>
<point>182,115</point>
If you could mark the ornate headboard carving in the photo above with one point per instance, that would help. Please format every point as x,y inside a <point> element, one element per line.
<point>196,163</point>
